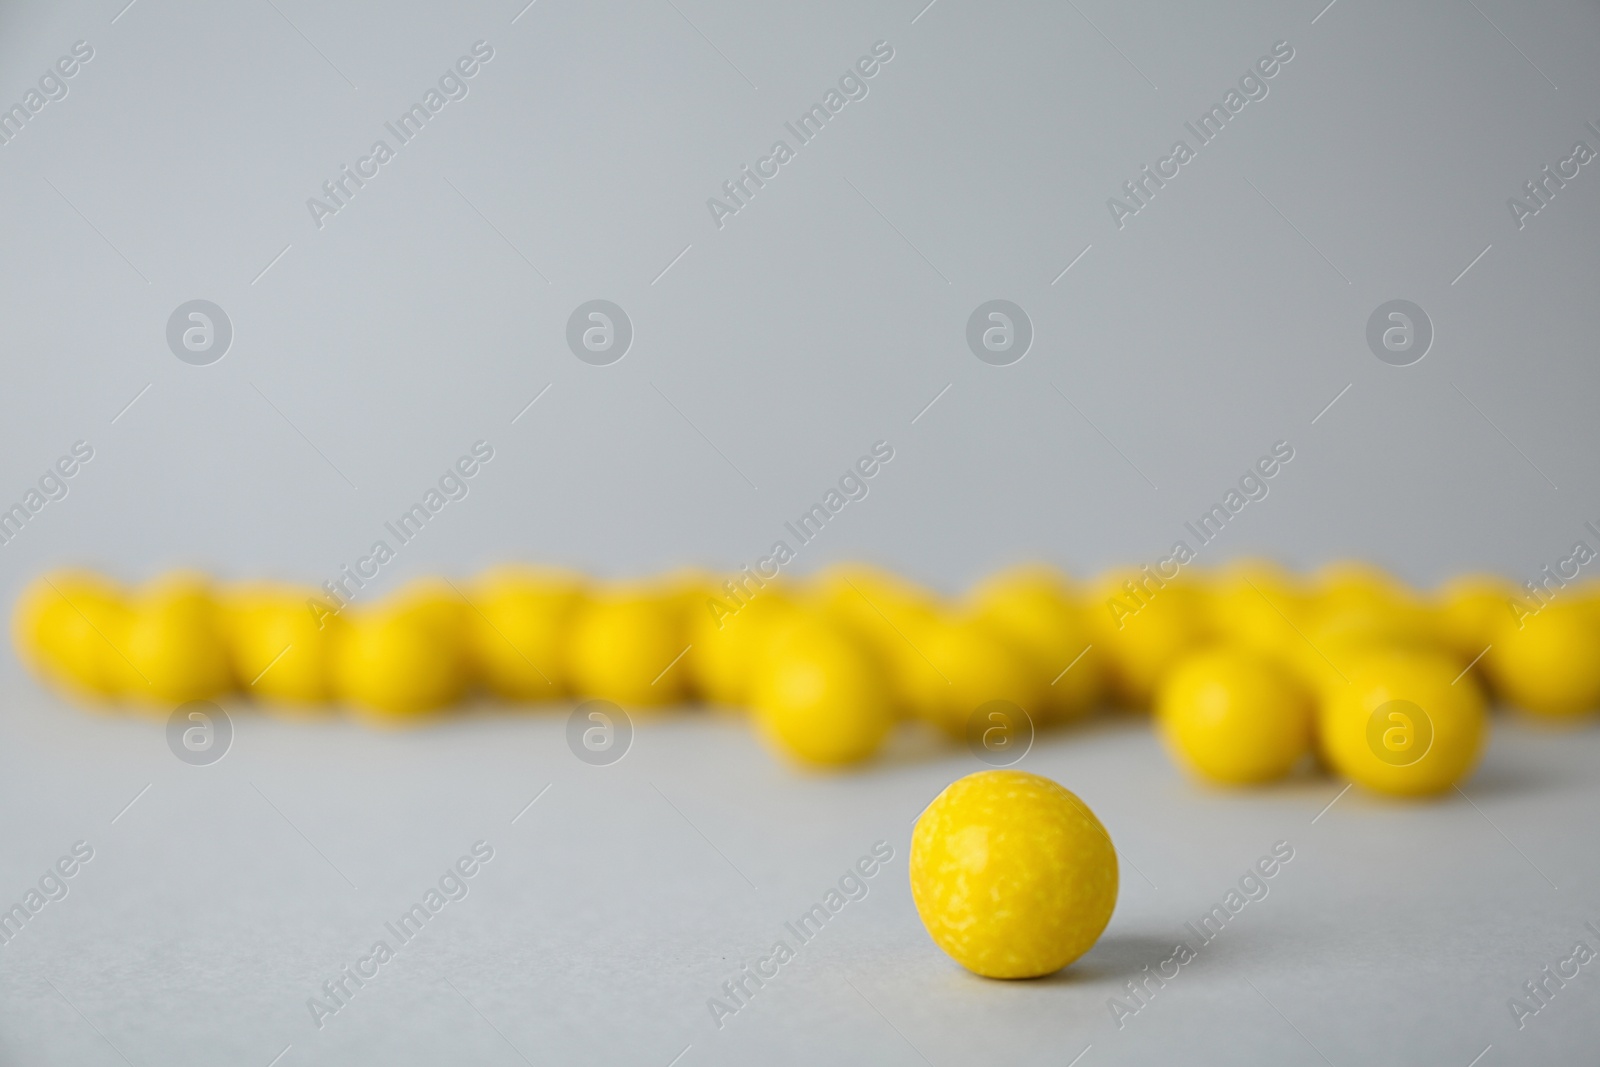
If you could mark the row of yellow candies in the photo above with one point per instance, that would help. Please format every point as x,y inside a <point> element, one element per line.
<point>181,637</point>
<point>833,660</point>
<point>1369,675</point>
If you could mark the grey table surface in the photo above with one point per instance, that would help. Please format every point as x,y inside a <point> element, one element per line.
<point>377,332</point>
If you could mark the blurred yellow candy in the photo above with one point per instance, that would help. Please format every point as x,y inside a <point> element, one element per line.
<point>1549,664</point>
<point>727,637</point>
<point>871,590</point>
<point>280,648</point>
<point>71,627</point>
<point>517,630</point>
<point>1349,583</point>
<point>960,663</point>
<point>441,602</point>
<point>882,610</point>
<point>1144,628</point>
<point>1235,717</point>
<point>399,660</point>
<point>1332,640</point>
<point>1404,723</point>
<point>175,647</point>
<point>818,696</point>
<point>684,591</point>
<point>1035,608</point>
<point>1470,610</point>
<point>1259,605</point>
<point>623,646</point>
<point>1012,875</point>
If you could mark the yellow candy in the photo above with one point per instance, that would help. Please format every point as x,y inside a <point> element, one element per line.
<point>400,660</point>
<point>1144,630</point>
<point>517,630</point>
<point>443,604</point>
<point>281,650</point>
<point>727,638</point>
<point>883,611</point>
<point>1034,608</point>
<point>1235,717</point>
<point>818,696</point>
<point>1012,875</point>
<point>623,641</point>
<point>1548,666</point>
<point>1402,724</point>
<point>959,664</point>
<point>1257,604</point>
<point>1331,641</point>
<point>871,592</point>
<point>71,627</point>
<point>685,590</point>
<point>1350,584</point>
<point>1470,610</point>
<point>175,647</point>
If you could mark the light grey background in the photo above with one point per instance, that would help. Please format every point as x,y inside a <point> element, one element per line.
<point>430,311</point>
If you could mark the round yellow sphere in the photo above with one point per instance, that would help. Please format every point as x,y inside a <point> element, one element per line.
<point>727,637</point>
<point>958,664</point>
<point>1352,584</point>
<point>1403,722</point>
<point>623,642</point>
<point>400,660</point>
<point>1144,626</point>
<point>517,630</point>
<point>175,642</point>
<point>1471,609</point>
<point>281,643</point>
<point>71,626</point>
<point>1012,875</point>
<point>884,610</point>
<point>1235,717</point>
<point>1258,604</point>
<point>818,696</point>
<point>1548,664</point>
<point>1330,641</point>
<point>1035,608</point>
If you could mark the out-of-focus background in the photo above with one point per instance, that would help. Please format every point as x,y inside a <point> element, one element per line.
<point>377,332</point>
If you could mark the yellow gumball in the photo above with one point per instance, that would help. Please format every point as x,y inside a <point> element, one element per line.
<point>281,647</point>
<point>1470,611</point>
<point>71,627</point>
<point>175,644</point>
<point>727,637</point>
<point>1549,665</point>
<point>1012,875</point>
<point>1234,716</point>
<point>401,660</point>
<point>517,627</point>
<point>1259,605</point>
<point>685,590</point>
<point>818,696</point>
<point>1404,723</point>
<point>1144,629</point>
<point>883,611</point>
<point>1331,641</point>
<point>1035,609</point>
<point>871,593</point>
<point>958,664</point>
<point>1349,584</point>
<point>442,603</point>
<point>623,645</point>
